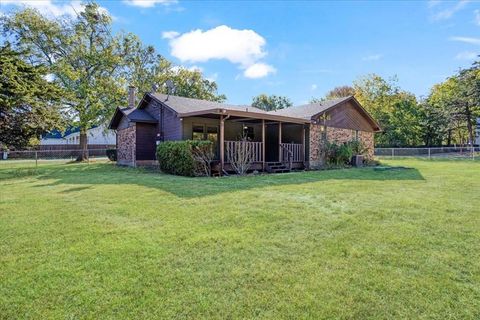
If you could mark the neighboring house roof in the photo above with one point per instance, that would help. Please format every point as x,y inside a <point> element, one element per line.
<point>57,134</point>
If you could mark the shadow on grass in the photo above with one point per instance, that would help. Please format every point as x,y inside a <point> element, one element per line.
<point>106,174</point>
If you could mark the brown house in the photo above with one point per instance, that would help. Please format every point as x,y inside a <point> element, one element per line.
<point>292,136</point>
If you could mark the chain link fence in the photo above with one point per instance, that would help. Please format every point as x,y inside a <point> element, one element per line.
<point>39,157</point>
<point>465,152</point>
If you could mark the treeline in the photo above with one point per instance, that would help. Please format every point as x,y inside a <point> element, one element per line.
<point>446,116</point>
<point>75,71</point>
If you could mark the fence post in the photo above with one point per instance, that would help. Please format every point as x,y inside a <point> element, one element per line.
<point>36,159</point>
<point>429,157</point>
<point>393,153</point>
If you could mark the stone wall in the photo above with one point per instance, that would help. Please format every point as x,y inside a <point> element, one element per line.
<point>338,135</point>
<point>126,140</point>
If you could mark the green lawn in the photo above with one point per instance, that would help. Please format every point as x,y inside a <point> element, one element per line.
<point>97,241</point>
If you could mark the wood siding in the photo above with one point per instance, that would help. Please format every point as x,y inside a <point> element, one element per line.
<point>347,116</point>
<point>171,125</point>
<point>145,141</point>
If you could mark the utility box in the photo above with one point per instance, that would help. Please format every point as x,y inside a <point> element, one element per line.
<point>357,161</point>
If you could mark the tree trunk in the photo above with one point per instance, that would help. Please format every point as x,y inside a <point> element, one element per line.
<point>449,138</point>
<point>469,124</point>
<point>83,156</point>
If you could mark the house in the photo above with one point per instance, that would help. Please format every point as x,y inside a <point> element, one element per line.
<point>96,135</point>
<point>295,135</point>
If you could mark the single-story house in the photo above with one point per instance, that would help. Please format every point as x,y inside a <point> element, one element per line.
<point>95,135</point>
<point>295,134</point>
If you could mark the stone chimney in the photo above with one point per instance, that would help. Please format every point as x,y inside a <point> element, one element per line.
<point>131,96</point>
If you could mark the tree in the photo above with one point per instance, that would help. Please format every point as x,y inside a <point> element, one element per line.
<point>456,104</point>
<point>94,67</point>
<point>146,67</point>
<point>29,105</point>
<point>340,92</point>
<point>270,103</point>
<point>83,56</point>
<point>396,110</point>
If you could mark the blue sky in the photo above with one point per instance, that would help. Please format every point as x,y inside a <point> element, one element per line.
<point>301,49</point>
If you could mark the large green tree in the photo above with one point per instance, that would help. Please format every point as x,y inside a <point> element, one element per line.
<point>83,56</point>
<point>145,68</point>
<point>29,105</point>
<point>270,103</point>
<point>396,110</point>
<point>95,66</point>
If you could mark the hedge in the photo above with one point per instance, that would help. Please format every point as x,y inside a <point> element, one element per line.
<point>176,157</point>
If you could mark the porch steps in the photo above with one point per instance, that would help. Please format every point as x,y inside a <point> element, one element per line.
<point>276,167</point>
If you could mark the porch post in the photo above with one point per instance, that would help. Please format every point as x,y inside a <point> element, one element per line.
<point>222,144</point>
<point>279,142</point>
<point>263,144</point>
<point>303,143</point>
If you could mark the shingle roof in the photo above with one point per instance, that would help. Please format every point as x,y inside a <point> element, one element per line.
<point>138,115</point>
<point>185,105</point>
<point>309,110</point>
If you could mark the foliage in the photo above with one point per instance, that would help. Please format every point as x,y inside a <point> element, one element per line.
<point>397,111</point>
<point>185,158</point>
<point>29,104</point>
<point>452,107</point>
<point>122,240</point>
<point>339,154</point>
<point>272,102</point>
<point>112,154</point>
<point>94,66</point>
<point>146,67</point>
<point>340,92</point>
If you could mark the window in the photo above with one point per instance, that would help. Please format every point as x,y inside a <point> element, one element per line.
<point>198,132</point>
<point>248,132</point>
<point>356,134</point>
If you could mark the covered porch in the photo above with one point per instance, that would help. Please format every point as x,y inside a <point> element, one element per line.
<point>274,143</point>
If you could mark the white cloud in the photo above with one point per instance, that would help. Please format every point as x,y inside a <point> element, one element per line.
<point>373,57</point>
<point>242,47</point>
<point>470,40</point>
<point>447,13</point>
<point>148,3</point>
<point>314,87</point>
<point>467,55</point>
<point>54,8</point>
<point>237,46</point>
<point>170,34</point>
<point>477,17</point>
<point>433,3</point>
<point>258,70</point>
<point>212,77</point>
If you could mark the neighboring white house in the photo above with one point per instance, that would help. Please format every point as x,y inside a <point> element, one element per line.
<point>95,135</point>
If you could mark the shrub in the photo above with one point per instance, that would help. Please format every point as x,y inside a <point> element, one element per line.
<point>341,154</point>
<point>112,154</point>
<point>185,158</point>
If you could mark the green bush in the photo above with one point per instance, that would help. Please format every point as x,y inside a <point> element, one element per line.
<point>179,157</point>
<point>341,154</point>
<point>112,154</point>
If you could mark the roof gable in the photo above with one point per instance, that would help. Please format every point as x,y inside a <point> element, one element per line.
<point>132,114</point>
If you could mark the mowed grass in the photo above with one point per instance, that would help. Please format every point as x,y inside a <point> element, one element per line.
<point>96,241</point>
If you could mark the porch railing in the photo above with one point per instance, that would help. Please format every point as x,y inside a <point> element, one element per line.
<point>292,150</point>
<point>254,148</point>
